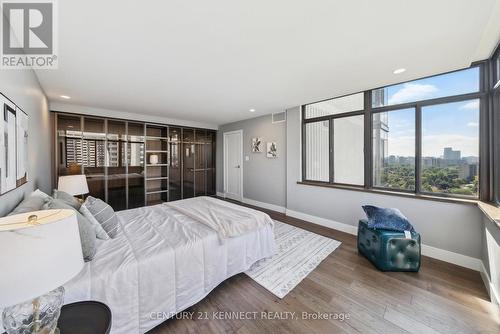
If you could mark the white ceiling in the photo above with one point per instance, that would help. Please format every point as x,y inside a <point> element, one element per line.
<point>211,61</point>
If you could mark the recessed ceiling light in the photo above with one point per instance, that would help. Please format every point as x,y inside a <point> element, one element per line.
<point>399,70</point>
<point>252,110</point>
<point>65,97</point>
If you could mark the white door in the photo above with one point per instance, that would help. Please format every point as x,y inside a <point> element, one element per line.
<point>233,165</point>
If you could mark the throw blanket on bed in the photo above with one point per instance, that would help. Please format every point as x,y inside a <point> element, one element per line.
<point>227,219</point>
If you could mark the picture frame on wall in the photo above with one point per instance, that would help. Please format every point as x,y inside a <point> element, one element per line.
<point>22,147</point>
<point>272,150</point>
<point>13,146</point>
<point>257,145</point>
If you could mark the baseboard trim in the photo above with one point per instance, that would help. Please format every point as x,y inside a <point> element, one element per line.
<point>490,288</point>
<point>451,257</point>
<point>268,206</point>
<point>323,222</point>
<point>433,252</point>
<point>221,194</point>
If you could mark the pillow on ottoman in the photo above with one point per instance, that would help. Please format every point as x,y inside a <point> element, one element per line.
<point>104,214</point>
<point>387,219</point>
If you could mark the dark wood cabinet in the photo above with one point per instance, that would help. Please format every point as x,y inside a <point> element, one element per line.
<point>130,164</point>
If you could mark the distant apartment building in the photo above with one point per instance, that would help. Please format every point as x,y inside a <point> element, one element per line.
<point>450,154</point>
<point>91,150</point>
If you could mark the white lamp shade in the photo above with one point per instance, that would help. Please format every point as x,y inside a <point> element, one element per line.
<point>36,259</point>
<point>73,184</point>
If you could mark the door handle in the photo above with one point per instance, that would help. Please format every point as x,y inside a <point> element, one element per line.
<point>237,166</point>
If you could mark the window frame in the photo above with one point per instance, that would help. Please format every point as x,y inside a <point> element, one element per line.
<point>369,111</point>
<point>493,102</point>
<point>377,111</point>
<point>330,119</point>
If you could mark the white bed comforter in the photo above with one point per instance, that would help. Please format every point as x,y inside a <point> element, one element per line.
<point>163,261</point>
<point>227,219</point>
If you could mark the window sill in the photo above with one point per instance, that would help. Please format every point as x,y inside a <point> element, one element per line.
<point>491,211</point>
<point>394,193</point>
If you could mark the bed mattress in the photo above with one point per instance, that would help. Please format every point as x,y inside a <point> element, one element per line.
<point>162,262</point>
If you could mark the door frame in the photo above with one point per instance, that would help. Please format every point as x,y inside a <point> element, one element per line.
<point>225,167</point>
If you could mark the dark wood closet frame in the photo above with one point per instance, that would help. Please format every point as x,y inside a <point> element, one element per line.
<point>208,135</point>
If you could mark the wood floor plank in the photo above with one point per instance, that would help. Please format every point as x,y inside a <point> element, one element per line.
<point>441,298</point>
<point>407,323</point>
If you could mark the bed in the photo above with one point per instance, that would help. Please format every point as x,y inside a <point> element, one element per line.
<point>166,259</point>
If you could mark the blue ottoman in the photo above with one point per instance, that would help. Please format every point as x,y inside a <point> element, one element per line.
<point>389,250</point>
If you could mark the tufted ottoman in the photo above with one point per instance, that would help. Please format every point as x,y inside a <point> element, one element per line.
<point>389,250</point>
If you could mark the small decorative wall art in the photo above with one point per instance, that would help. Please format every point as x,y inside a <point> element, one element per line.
<point>13,145</point>
<point>272,150</point>
<point>257,145</point>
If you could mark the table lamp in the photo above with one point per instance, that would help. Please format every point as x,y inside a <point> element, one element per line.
<point>73,184</point>
<point>39,252</point>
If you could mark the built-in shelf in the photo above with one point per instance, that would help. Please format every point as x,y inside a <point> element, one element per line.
<point>200,169</point>
<point>159,191</point>
<point>156,179</point>
<point>156,138</point>
<point>157,165</point>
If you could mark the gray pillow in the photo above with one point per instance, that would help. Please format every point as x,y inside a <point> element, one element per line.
<point>31,203</point>
<point>87,233</point>
<point>99,231</point>
<point>41,194</point>
<point>104,214</point>
<point>67,198</point>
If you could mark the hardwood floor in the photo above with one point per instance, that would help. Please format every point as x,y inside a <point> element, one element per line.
<point>441,298</point>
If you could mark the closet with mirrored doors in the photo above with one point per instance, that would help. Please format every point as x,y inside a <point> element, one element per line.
<point>130,164</point>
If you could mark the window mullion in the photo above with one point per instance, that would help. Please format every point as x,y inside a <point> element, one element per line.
<point>332,167</point>
<point>303,139</point>
<point>368,140</point>
<point>418,147</point>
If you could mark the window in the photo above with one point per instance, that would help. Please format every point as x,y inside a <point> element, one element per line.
<point>394,149</point>
<point>423,137</point>
<point>450,148</point>
<point>348,156</point>
<point>449,84</point>
<point>335,106</point>
<point>334,144</point>
<point>317,149</point>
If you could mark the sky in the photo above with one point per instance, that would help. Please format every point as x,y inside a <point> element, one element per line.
<point>453,125</point>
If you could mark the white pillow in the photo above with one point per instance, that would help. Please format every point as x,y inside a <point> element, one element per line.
<point>99,231</point>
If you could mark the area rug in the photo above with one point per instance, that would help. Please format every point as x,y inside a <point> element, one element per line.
<point>299,252</point>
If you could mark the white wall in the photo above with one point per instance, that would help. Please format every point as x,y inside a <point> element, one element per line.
<point>263,178</point>
<point>22,87</point>
<point>491,258</point>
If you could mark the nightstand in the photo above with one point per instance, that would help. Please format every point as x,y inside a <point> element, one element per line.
<point>87,317</point>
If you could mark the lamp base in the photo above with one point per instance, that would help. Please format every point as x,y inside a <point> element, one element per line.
<point>38,316</point>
